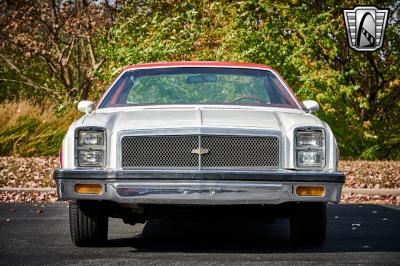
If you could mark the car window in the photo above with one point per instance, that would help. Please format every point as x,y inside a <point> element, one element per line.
<point>198,86</point>
<point>184,88</point>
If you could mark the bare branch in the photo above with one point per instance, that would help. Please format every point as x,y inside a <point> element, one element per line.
<point>15,68</point>
<point>98,65</point>
<point>70,47</point>
<point>91,51</point>
<point>51,93</point>
<point>50,65</point>
<point>60,35</point>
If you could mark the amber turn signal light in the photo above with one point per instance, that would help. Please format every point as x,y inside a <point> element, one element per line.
<point>310,191</point>
<point>88,189</point>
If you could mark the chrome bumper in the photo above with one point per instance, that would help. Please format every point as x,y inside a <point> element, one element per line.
<point>199,187</point>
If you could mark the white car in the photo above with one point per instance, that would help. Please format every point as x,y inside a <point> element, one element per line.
<point>187,139</point>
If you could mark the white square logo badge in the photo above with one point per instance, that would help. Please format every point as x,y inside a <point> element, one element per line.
<point>365,26</point>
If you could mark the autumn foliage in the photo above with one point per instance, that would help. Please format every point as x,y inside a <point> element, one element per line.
<point>63,51</point>
<point>50,47</point>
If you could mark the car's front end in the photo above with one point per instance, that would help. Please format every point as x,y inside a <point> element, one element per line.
<point>201,166</point>
<point>137,156</point>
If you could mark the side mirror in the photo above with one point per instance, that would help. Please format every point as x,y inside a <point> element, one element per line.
<point>85,106</point>
<point>311,106</point>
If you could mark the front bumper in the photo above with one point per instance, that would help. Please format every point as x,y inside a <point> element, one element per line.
<point>202,187</point>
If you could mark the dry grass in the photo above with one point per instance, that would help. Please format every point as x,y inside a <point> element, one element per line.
<point>10,113</point>
<point>28,129</point>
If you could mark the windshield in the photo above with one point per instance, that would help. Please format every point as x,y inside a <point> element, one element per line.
<point>198,85</point>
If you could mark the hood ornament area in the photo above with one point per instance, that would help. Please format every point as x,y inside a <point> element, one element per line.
<point>200,151</point>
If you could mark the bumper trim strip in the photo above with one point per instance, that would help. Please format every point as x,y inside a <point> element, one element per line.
<point>279,176</point>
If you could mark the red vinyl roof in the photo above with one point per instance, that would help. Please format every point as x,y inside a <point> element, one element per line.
<point>199,63</point>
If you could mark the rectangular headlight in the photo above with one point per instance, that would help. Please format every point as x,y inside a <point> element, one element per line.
<point>313,138</point>
<point>310,147</point>
<point>309,158</point>
<point>90,137</point>
<point>90,158</point>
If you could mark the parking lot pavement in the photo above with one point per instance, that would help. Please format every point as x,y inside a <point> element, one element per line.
<point>357,234</point>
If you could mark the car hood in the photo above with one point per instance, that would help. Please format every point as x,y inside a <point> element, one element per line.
<point>118,119</point>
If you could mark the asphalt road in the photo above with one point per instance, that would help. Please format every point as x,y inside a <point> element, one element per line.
<point>357,234</point>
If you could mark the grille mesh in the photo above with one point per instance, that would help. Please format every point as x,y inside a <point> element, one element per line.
<point>223,152</point>
<point>240,151</point>
<point>159,152</point>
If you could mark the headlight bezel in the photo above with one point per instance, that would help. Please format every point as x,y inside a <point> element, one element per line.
<point>319,149</point>
<point>80,147</point>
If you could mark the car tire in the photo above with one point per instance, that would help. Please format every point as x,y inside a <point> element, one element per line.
<point>88,223</point>
<point>308,223</point>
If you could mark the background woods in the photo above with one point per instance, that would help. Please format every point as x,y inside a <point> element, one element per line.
<point>49,48</point>
<point>54,53</point>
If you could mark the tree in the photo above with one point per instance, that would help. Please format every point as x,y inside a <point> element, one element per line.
<point>50,46</point>
<point>305,41</point>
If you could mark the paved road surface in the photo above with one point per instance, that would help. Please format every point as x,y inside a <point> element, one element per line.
<point>357,234</point>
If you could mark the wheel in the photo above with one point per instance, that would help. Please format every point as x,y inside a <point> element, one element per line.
<point>308,223</point>
<point>88,223</point>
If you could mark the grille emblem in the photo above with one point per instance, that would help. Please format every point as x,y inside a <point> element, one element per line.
<point>200,151</point>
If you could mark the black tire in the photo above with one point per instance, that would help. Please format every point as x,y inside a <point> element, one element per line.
<point>308,223</point>
<point>88,223</point>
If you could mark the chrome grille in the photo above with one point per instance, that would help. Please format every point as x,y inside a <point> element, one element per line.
<point>256,152</point>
